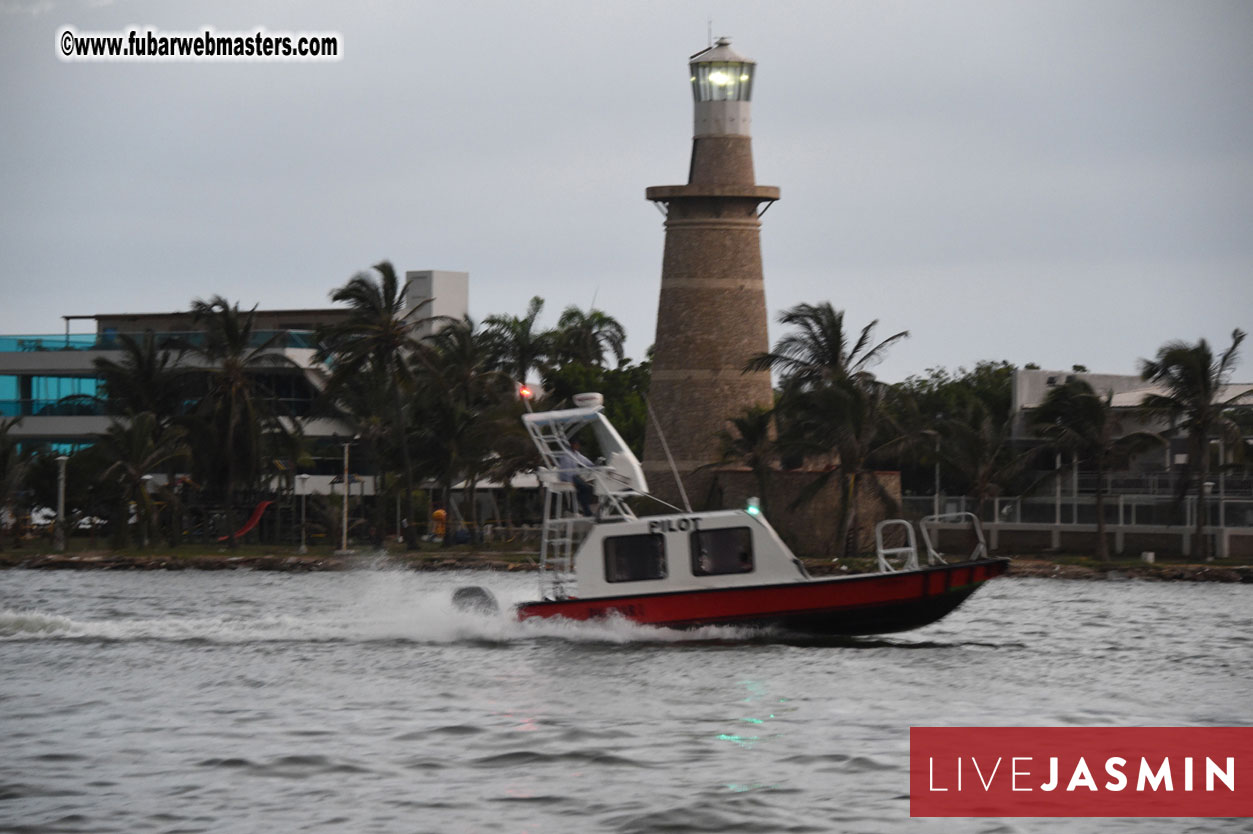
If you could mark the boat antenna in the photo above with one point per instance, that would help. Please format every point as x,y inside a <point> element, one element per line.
<point>665,447</point>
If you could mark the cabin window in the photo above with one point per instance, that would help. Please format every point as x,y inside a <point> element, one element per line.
<point>635,558</point>
<point>715,552</point>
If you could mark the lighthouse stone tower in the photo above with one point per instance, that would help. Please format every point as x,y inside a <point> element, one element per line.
<point>711,316</point>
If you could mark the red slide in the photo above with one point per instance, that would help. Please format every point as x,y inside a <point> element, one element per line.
<point>252,521</point>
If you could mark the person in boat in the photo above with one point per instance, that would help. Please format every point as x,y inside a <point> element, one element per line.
<point>568,466</point>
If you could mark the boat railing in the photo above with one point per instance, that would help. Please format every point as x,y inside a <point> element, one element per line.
<point>904,557</point>
<point>890,558</point>
<point>565,527</point>
<point>932,522</point>
<point>612,481</point>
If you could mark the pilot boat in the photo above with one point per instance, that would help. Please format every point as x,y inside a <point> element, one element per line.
<point>683,569</point>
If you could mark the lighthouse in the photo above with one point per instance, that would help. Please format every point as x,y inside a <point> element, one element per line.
<point>711,314</point>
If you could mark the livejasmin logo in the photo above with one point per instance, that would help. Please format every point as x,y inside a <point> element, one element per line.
<point>1081,771</point>
<point>1081,777</point>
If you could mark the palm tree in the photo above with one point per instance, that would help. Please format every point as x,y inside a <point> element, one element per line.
<point>236,410</point>
<point>147,378</point>
<point>752,444</point>
<point>584,337</point>
<point>512,453</point>
<point>520,347</point>
<point>138,448</point>
<point>13,465</point>
<point>460,399</point>
<point>978,444</point>
<point>819,353</point>
<point>848,425</point>
<point>832,406</point>
<point>366,400</point>
<point>375,342</point>
<point>1079,421</point>
<point>1195,399</point>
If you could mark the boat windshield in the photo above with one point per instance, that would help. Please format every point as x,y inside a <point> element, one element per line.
<point>569,421</point>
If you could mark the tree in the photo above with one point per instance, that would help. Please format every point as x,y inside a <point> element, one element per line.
<point>1194,400</point>
<point>460,399</point>
<point>147,378</point>
<point>818,352</point>
<point>1079,421</point>
<point>831,405</point>
<point>624,388</point>
<point>375,343</point>
<point>150,379</point>
<point>138,448</point>
<point>979,445</point>
<point>584,337</point>
<point>13,466</point>
<point>967,417</point>
<point>519,346</point>
<point>512,453</point>
<point>235,411</point>
<point>366,400</point>
<point>751,443</point>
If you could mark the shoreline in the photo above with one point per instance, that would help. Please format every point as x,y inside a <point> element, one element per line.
<point>523,561</point>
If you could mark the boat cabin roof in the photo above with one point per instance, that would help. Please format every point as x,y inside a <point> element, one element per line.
<point>553,430</point>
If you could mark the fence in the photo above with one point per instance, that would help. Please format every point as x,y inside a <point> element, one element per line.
<point>1148,522</point>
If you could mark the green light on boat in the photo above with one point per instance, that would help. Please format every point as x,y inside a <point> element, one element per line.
<point>754,506</point>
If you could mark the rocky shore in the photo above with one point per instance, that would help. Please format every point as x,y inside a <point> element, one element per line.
<point>1021,566</point>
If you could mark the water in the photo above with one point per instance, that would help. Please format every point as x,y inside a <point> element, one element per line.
<point>362,702</point>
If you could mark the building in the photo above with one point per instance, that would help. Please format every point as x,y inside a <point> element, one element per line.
<point>51,382</point>
<point>711,317</point>
<point>1031,387</point>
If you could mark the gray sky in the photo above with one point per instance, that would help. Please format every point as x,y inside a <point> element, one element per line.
<point>1050,182</point>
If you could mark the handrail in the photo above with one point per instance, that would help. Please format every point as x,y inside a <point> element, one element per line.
<point>910,550</point>
<point>933,555</point>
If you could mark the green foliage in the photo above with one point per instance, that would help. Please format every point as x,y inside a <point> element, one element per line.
<point>832,409</point>
<point>1195,402</point>
<point>461,402</point>
<point>625,389</point>
<point>941,393</point>
<point>138,448</point>
<point>518,347</point>
<point>1078,421</point>
<point>371,382</point>
<point>583,338</point>
<point>147,378</point>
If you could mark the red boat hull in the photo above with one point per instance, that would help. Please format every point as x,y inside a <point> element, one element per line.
<point>873,603</point>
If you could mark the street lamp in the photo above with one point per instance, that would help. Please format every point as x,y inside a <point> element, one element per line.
<point>145,515</point>
<point>344,532</point>
<point>304,494</point>
<point>59,539</point>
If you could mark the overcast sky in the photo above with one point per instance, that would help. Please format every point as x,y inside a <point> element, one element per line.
<point>1050,182</point>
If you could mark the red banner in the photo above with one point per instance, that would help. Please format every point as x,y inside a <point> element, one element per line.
<point>1081,771</point>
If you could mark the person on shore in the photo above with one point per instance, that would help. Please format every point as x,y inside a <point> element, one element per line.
<point>569,464</point>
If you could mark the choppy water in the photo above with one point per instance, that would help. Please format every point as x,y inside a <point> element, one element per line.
<point>362,702</point>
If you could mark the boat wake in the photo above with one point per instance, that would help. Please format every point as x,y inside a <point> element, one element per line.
<point>430,619</point>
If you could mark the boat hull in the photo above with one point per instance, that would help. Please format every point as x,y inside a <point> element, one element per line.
<point>877,603</point>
